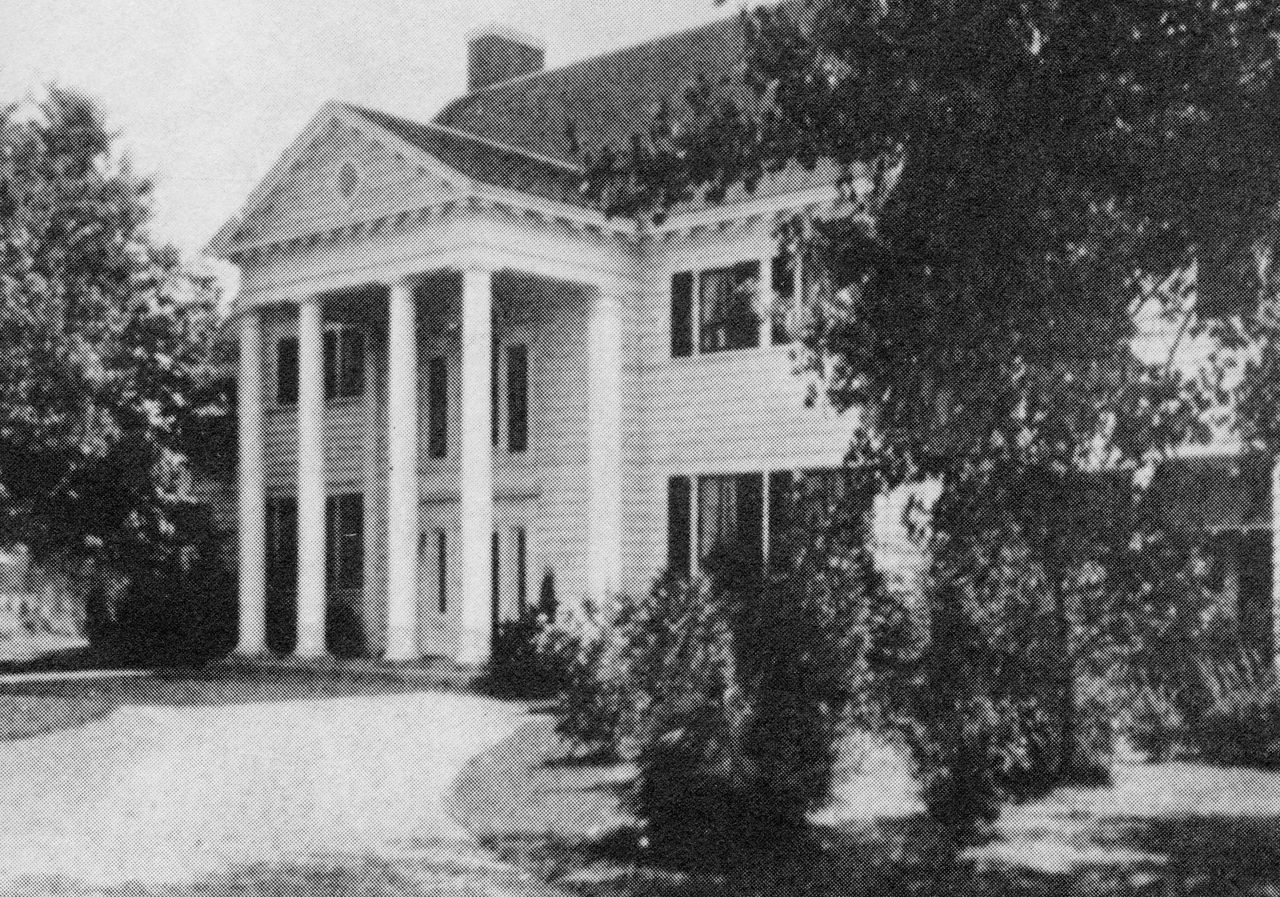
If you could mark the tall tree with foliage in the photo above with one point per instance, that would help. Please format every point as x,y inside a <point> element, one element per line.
<point>1021,182</point>
<point>104,338</point>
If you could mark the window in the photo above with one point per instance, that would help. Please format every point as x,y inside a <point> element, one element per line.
<point>517,398</point>
<point>730,510</point>
<point>729,515</point>
<point>442,571</point>
<point>727,313</point>
<point>343,366</point>
<point>343,363</point>
<point>344,558</point>
<point>282,544</point>
<point>287,371</point>
<point>438,407</point>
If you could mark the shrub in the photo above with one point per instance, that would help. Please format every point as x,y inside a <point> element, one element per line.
<point>181,612</point>
<point>531,659</point>
<point>1239,724</point>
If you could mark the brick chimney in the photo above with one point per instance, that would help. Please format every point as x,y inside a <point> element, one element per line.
<point>496,54</point>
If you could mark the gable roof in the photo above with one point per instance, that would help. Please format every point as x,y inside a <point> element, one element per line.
<point>486,160</point>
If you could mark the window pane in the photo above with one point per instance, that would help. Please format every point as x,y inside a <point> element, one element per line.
<point>287,371</point>
<point>495,588</point>
<point>517,398</point>
<point>495,418</point>
<point>282,543</point>
<point>351,361</point>
<point>438,402</point>
<point>727,308</point>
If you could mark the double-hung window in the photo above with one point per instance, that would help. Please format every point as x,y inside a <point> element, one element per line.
<point>343,363</point>
<point>723,513</point>
<point>344,349</point>
<point>721,309</point>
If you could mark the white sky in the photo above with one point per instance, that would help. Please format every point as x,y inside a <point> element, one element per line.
<point>208,93</point>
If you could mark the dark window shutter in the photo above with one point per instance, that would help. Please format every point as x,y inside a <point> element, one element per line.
<point>517,398</point>
<point>331,365</point>
<point>442,571</point>
<point>287,371</point>
<point>750,489</point>
<point>681,314</point>
<point>678,534</point>
<point>781,517</point>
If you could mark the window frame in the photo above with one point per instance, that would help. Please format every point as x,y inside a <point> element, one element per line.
<point>343,373</point>
<point>771,306</point>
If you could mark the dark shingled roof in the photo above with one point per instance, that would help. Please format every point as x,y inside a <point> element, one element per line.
<point>521,126</point>
<point>606,98</point>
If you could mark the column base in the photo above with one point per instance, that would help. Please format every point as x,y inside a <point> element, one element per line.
<point>310,653</point>
<point>251,651</point>
<point>474,649</point>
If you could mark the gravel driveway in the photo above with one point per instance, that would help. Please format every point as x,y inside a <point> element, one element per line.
<point>333,795</point>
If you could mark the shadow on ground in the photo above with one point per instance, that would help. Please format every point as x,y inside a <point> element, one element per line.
<point>419,869</point>
<point>1170,829</point>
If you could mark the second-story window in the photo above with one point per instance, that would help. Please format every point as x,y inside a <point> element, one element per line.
<point>287,371</point>
<point>728,315</point>
<point>343,363</point>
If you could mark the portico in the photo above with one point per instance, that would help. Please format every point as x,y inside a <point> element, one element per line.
<point>400,314</point>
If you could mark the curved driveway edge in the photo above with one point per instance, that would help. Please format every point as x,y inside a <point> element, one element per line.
<point>242,797</point>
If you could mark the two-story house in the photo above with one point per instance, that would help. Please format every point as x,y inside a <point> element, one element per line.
<point>459,382</point>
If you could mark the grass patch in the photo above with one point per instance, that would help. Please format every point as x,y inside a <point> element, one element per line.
<point>25,716</point>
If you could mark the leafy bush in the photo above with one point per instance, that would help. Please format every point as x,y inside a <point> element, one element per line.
<point>531,659</point>
<point>182,612</point>
<point>1242,728</point>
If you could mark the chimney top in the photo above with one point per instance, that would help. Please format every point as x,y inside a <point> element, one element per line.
<point>496,53</point>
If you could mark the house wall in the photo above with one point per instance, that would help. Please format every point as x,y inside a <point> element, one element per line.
<point>736,411</point>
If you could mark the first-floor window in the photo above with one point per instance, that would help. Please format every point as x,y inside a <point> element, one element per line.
<point>282,544</point>
<point>522,570</point>
<point>728,514</point>
<point>729,519</point>
<point>345,555</point>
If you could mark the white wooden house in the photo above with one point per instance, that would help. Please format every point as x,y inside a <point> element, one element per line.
<point>458,379</point>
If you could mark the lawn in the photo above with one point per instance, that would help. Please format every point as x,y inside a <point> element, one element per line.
<point>1161,829</point>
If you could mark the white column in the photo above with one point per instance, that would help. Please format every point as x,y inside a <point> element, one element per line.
<point>475,467</point>
<point>373,611</point>
<point>311,487</point>
<point>604,444</point>
<point>253,500</point>
<point>402,473</point>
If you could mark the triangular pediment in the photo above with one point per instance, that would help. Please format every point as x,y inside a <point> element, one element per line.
<point>342,170</point>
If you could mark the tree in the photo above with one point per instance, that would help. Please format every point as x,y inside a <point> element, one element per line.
<point>1022,182</point>
<point>104,339</point>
